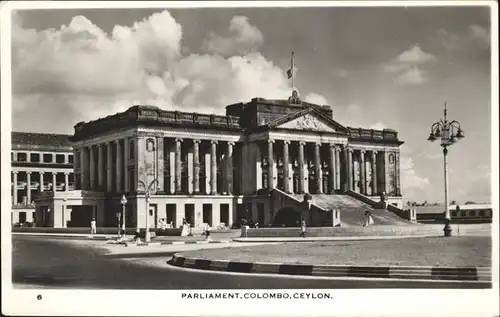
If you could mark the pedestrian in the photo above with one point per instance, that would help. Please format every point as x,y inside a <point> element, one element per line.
<point>368,219</point>
<point>303,228</point>
<point>93,227</point>
<point>207,232</point>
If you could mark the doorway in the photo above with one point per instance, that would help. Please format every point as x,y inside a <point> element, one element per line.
<point>189,214</point>
<point>207,214</point>
<point>153,216</point>
<point>172,215</point>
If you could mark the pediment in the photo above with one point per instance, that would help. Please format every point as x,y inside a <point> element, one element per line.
<point>308,122</point>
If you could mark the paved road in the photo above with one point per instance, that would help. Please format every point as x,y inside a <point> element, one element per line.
<point>56,263</point>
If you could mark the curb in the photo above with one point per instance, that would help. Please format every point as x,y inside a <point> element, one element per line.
<point>385,272</point>
<point>62,235</point>
<point>315,239</point>
<point>144,244</point>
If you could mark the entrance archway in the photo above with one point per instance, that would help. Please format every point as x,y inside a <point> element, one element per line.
<point>286,216</point>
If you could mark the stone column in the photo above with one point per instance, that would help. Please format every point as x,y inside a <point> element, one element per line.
<point>317,167</point>
<point>28,187</point>
<point>196,163</point>
<point>270,164</point>
<point>398,176</point>
<point>362,187</point>
<point>229,168</point>
<point>178,172</point>
<point>332,169</point>
<point>126,186</point>
<point>119,166</point>
<point>301,167</point>
<point>92,168</point>
<point>374,173</point>
<point>14,189</point>
<point>109,171</point>
<point>286,167</point>
<point>41,182</point>
<point>82,169</point>
<point>100,166</point>
<point>54,181</point>
<point>337,167</point>
<point>213,168</point>
<point>66,182</point>
<point>349,169</point>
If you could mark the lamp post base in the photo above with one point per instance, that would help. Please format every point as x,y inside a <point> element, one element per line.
<point>447,230</point>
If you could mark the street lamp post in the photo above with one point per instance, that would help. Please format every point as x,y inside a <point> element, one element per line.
<point>123,202</point>
<point>449,132</point>
<point>147,192</point>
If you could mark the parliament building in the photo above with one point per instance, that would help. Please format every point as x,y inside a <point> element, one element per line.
<point>217,169</point>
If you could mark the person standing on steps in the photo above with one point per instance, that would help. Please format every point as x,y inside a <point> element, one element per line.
<point>303,228</point>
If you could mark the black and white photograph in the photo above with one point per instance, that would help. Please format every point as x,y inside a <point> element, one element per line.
<point>240,158</point>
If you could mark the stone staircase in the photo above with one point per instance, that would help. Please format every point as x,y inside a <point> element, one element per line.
<point>352,210</point>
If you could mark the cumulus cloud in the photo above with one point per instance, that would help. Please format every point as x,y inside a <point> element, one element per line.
<point>242,39</point>
<point>480,33</point>
<point>407,66</point>
<point>378,126</point>
<point>86,73</point>
<point>413,75</point>
<point>316,99</point>
<point>411,182</point>
<point>415,55</point>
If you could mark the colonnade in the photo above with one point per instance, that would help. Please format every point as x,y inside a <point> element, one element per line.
<point>204,163</point>
<point>200,166</point>
<point>320,168</point>
<point>106,166</point>
<point>42,183</point>
<point>111,166</point>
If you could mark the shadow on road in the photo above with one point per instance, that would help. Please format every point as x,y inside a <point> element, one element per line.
<point>140,255</point>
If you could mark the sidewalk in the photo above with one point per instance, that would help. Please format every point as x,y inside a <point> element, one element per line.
<point>315,239</point>
<point>85,236</point>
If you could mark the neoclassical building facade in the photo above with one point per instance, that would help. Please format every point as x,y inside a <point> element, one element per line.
<point>39,162</point>
<point>216,169</point>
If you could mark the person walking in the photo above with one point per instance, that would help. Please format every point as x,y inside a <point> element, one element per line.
<point>303,228</point>
<point>93,227</point>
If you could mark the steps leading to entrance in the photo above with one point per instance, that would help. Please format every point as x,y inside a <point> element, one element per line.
<point>352,211</point>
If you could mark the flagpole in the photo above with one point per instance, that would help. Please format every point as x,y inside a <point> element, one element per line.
<point>293,77</point>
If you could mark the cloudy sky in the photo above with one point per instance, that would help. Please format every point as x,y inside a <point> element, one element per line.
<point>377,67</point>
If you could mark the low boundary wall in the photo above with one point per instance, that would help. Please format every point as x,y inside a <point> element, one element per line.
<point>380,230</point>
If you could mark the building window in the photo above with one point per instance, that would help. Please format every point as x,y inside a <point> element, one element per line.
<point>454,213</point>
<point>472,213</point>
<point>35,157</point>
<point>481,213</point>
<point>70,158</point>
<point>463,213</point>
<point>21,157</point>
<point>11,156</point>
<point>132,150</point>
<point>22,217</point>
<point>60,158</point>
<point>47,158</point>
